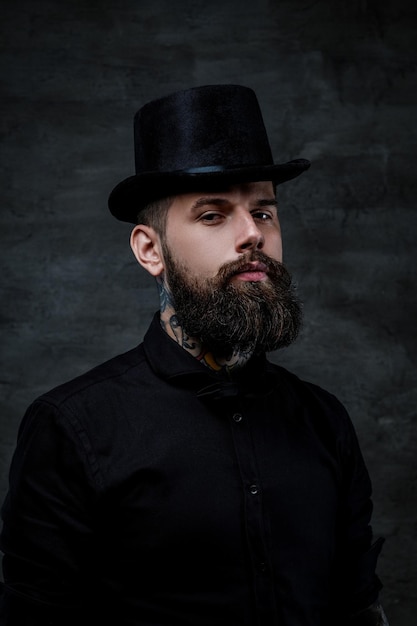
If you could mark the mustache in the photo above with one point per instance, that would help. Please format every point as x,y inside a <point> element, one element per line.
<point>275,269</point>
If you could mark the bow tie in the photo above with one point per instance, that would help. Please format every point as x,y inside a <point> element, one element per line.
<point>230,389</point>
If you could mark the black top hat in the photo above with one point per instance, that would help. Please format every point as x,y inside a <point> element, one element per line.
<point>194,140</point>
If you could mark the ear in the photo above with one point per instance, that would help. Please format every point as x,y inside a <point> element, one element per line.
<point>146,247</point>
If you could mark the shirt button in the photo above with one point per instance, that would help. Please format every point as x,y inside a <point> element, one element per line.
<point>254,489</point>
<point>237,417</point>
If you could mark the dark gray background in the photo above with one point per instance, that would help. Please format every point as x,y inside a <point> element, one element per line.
<point>337,84</point>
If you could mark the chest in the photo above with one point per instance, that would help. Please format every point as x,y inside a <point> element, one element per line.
<point>196,477</point>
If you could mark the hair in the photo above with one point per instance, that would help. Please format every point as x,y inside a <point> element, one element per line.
<point>155,214</point>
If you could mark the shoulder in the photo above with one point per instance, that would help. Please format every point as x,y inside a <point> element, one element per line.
<point>314,406</point>
<point>89,412</point>
<point>118,371</point>
<point>109,388</point>
<point>305,391</point>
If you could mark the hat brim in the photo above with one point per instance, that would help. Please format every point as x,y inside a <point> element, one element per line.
<point>134,193</point>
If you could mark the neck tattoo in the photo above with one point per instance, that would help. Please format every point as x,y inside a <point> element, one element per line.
<point>170,324</point>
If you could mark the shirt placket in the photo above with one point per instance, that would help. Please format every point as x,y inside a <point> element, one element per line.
<point>254,516</point>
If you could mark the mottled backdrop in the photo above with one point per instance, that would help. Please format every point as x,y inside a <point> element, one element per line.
<point>337,83</point>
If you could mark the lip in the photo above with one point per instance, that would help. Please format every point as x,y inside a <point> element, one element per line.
<point>254,272</point>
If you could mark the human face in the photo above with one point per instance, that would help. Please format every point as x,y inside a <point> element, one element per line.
<point>233,318</point>
<point>206,230</point>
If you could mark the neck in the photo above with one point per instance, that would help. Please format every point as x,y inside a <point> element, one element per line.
<point>228,364</point>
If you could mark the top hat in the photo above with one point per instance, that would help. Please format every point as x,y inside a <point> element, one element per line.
<point>196,140</point>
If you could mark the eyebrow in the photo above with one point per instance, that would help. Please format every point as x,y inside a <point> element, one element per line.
<point>267,202</point>
<point>218,201</point>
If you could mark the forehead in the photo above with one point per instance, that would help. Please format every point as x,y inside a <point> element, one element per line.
<point>242,192</point>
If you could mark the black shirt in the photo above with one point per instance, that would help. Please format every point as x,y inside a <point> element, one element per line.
<point>151,491</point>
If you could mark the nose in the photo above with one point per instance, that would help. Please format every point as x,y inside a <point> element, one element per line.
<point>248,236</point>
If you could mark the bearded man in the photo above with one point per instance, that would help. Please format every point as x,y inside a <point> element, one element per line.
<point>190,482</point>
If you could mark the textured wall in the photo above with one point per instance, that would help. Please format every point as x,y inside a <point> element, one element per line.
<point>337,84</point>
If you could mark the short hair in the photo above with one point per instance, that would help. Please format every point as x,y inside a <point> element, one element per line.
<point>155,214</point>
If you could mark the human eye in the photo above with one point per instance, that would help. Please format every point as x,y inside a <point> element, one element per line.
<point>262,215</point>
<point>211,217</point>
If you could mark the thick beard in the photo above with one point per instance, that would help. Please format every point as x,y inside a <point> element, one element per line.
<point>236,317</point>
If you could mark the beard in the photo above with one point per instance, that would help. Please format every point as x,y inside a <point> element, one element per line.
<point>236,317</point>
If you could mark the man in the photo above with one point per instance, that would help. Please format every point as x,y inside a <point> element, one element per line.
<point>190,481</point>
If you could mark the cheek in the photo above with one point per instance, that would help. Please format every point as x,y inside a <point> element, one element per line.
<point>197,258</point>
<point>205,264</point>
<point>202,255</point>
<point>273,248</point>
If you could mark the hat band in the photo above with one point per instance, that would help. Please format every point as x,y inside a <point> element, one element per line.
<point>205,169</point>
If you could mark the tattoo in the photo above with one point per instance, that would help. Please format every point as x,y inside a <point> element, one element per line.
<point>228,364</point>
<point>171,325</point>
<point>165,297</point>
<point>188,343</point>
<point>176,329</point>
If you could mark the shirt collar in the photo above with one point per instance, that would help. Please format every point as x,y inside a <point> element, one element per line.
<point>171,362</point>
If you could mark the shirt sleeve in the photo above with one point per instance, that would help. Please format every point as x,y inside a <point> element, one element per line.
<point>48,522</point>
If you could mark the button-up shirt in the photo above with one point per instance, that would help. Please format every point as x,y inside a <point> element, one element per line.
<point>152,491</point>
